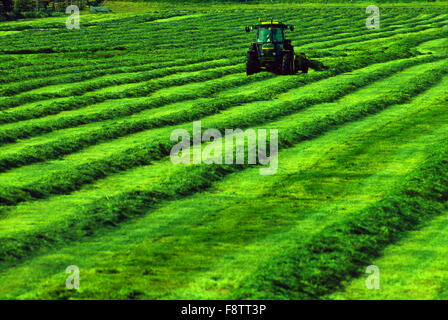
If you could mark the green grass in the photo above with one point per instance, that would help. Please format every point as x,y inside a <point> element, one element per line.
<point>302,130</point>
<point>242,116</point>
<point>214,212</point>
<point>85,176</point>
<point>413,268</point>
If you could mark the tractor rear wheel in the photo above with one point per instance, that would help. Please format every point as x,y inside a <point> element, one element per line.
<point>252,65</point>
<point>287,64</point>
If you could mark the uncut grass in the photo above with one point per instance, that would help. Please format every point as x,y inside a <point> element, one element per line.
<point>224,120</point>
<point>199,178</point>
<point>156,250</point>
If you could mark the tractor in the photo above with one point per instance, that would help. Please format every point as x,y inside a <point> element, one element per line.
<point>273,52</point>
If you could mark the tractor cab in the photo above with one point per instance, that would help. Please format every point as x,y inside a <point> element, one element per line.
<point>270,38</point>
<point>270,34</point>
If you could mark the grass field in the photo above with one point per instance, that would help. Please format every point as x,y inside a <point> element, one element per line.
<point>86,178</point>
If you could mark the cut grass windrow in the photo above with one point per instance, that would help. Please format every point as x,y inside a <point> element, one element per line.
<point>382,34</point>
<point>17,89</point>
<point>160,145</point>
<point>342,30</point>
<point>110,211</point>
<point>10,135</point>
<point>95,64</point>
<point>247,237</point>
<point>153,83</point>
<point>33,127</point>
<point>73,77</point>
<point>40,126</point>
<point>87,179</point>
<point>141,90</point>
<point>413,268</point>
<point>343,249</point>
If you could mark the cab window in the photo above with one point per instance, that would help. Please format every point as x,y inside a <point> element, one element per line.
<point>277,34</point>
<point>270,35</point>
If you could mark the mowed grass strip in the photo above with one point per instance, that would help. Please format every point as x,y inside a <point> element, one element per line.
<point>33,73</point>
<point>343,65</point>
<point>325,90</point>
<point>36,110</point>
<point>47,80</point>
<point>180,104</point>
<point>344,249</point>
<point>340,66</point>
<point>34,234</point>
<point>73,77</point>
<point>149,80</point>
<point>241,222</point>
<point>413,268</point>
<point>120,108</point>
<point>382,34</point>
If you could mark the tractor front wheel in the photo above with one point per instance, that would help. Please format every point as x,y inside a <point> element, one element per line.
<point>252,65</point>
<point>302,63</point>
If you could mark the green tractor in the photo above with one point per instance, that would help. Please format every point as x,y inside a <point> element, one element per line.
<point>273,52</point>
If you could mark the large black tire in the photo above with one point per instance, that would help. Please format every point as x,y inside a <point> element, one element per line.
<point>287,64</point>
<point>302,63</point>
<point>304,67</point>
<point>252,64</point>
